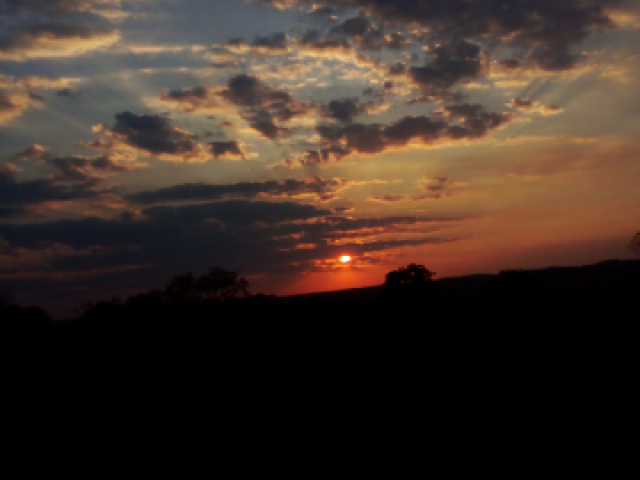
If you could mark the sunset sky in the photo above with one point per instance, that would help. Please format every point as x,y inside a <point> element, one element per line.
<point>141,139</point>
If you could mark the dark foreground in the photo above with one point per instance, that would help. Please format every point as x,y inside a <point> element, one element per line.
<point>513,378</point>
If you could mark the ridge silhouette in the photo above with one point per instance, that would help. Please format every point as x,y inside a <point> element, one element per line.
<point>527,374</point>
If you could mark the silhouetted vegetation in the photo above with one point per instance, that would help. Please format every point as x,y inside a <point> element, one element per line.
<point>635,244</point>
<point>412,274</point>
<point>524,374</point>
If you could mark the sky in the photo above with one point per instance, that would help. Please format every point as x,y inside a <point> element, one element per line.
<point>142,139</point>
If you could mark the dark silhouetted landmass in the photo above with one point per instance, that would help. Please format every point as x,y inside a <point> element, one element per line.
<point>524,374</point>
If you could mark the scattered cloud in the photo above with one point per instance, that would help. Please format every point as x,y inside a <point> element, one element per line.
<point>473,122</point>
<point>527,105</point>
<point>82,168</point>
<point>14,105</point>
<point>273,44</point>
<point>314,186</point>
<point>153,135</point>
<point>54,41</point>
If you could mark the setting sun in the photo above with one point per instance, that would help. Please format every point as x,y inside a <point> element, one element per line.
<point>345,259</point>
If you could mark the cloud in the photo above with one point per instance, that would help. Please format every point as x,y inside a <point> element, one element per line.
<point>449,63</point>
<point>221,58</point>
<point>18,197</point>
<point>474,122</point>
<point>432,189</point>
<point>34,29</point>
<point>262,105</point>
<point>387,198</point>
<point>53,41</point>
<point>14,105</point>
<point>353,27</point>
<point>318,157</point>
<point>227,149</point>
<point>155,136</point>
<point>259,237</point>
<point>46,83</point>
<point>33,153</point>
<point>20,95</point>
<point>544,30</point>
<point>343,110</point>
<point>289,187</point>
<point>236,212</point>
<point>313,44</point>
<point>87,169</point>
<point>273,44</point>
<point>67,92</point>
<point>528,105</point>
<point>197,99</point>
<point>369,36</point>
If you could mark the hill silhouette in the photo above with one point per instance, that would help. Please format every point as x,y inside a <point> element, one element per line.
<point>527,374</point>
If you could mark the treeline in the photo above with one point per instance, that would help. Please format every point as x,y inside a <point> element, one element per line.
<point>527,374</point>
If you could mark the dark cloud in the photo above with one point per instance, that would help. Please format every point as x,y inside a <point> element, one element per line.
<point>236,212</point>
<point>376,39</point>
<point>530,105</point>
<point>368,35</point>
<point>81,168</point>
<point>398,68</point>
<point>263,123</point>
<point>17,197</point>
<point>474,122</point>
<point>8,212</point>
<point>67,92</point>
<point>394,198</point>
<point>523,103</point>
<point>548,28</point>
<point>249,91</point>
<point>260,237</point>
<point>275,238</point>
<point>263,105</point>
<point>13,105</point>
<point>354,27</point>
<point>313,40</point>
<point>552,59</point>
<point>433,189</point>
<point>50,8</point>
<point>275,43</point>
<point>449,63</point>
<point>52,40</point>
<point>197,99</point>
<point>154,135</point>
<point>510,64</point>
<point>229,148</point>
<point>187,93</point>
<point>7,171</point>
<point>71,178</point>
<point>271,188</point>
<point>343,110</point>
<point>323,13</point>
<point>318,157</point>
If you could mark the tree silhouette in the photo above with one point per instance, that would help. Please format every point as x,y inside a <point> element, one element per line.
<point>412,274</point>
<point>217,285</point>
<point>635,244</point>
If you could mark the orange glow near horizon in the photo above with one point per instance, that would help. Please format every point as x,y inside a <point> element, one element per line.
<point>345,259</point>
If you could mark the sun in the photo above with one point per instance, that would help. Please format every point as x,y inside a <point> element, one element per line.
<point>345,259</point>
